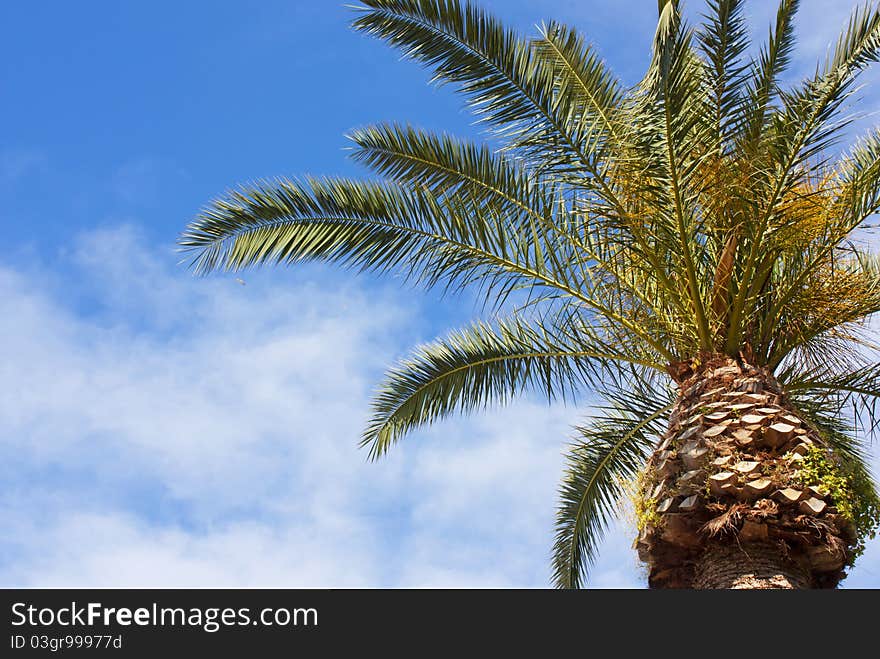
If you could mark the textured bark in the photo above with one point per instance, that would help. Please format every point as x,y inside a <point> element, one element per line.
<point>755,566</point>
<point>725,505</point>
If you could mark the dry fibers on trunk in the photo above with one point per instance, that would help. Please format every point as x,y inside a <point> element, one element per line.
<point>724,500</point>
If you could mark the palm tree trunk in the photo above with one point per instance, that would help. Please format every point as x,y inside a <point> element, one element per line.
<point>751,566</point>
<point>723,502</point>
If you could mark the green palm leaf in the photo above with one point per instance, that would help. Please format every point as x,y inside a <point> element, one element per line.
<point>772,62</point>
<point>489,364</point>
<point>584,88</point>
<point>723,41</point>
<point>612,448</point>
<point>857,390</point>
<point>506,84</point>
<point>446,164</point>
<point>375,226</point>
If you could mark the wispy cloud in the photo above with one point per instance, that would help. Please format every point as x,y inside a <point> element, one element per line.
<point>15,164</point>
<point>162,430</point>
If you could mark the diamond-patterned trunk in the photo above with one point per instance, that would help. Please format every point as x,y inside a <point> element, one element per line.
<point>727,506</point>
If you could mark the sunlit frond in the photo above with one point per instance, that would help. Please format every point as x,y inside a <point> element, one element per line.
<point>674,106</point>
<point>723,41</point>
<point>609,450</point>
<point>446,164</point>
<point>849,394</point>
<point>506,83</point>
<point>452,241</point>
<point>771,63</point>
<point>487,364</point>
<point>584,88</point>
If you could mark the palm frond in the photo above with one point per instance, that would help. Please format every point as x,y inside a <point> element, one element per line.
<point>454,168</point>
<point>373,226</point>
<point>506,83</point>
<point>674,108</point>
<point>487,364</point>
<point>808,123</point>
<point>446,164</point>
<point>773,60</point>
<point>853,395</point>
<point>858,184</point>
<point>584,87</point>
<point>723,41</point>
<point>839,350</point>
<point>611,449</point>
<point>858,44</point>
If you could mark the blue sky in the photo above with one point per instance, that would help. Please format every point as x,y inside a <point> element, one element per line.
<point>160,430</point>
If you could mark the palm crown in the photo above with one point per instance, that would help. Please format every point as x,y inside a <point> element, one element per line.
<point>618,234</point>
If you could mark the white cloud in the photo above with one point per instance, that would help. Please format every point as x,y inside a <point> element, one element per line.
<point>161,430</point>
<point>115,549</point>
<point>15,164</point>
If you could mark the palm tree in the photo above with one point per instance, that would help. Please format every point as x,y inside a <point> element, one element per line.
<point>691,250</point>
